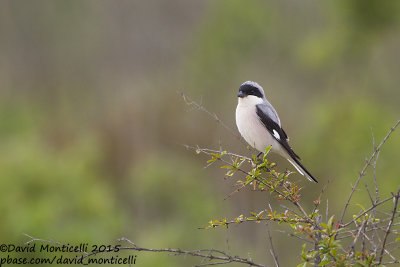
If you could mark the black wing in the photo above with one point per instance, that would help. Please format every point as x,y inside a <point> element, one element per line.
<point>275,130</point>
<point>279,134</point>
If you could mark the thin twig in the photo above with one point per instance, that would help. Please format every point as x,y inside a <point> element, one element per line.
<point>318,238</point>
<point>396,201</point>
<point>374,166</point>
<point>366,211</point>
<point>364,170</point>
<point>327,210</point>
<point>320,196</point>
<point>267,218</point>
<point>33,239</point>
<point>272,250</point>
<point>208,151</point>
<point>294,202</point>
<point>211,254</point>
<point>193,103</point>
<point>356,237</point>
<point>296,236</point>
<point>213,263</point>
<point>386,251</point>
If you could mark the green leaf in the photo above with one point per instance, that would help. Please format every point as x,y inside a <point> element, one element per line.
<point>330,222</point>
<point>361,206</point>
<point>239,219</point>
<point>334,252</point>
<point>325,260</point>
<point>323,225</point>
<point>360,263</point>
<point>266,152</point>
<point>303,253</point>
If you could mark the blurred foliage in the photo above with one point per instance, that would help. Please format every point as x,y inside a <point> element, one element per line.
<point>228,36</point>
<point>91,127</point>
<point>45,190</point>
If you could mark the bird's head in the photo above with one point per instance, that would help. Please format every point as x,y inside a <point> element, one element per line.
<point>251,91</point>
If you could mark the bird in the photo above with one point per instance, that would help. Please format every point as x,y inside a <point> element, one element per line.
<point>259,124</point>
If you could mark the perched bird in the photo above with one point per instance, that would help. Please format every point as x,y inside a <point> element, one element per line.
<point>260,126</point>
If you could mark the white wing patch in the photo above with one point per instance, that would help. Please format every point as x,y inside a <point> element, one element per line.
<point>277,136</point>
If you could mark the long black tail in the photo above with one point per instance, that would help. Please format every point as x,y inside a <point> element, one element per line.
<point>301,169</point>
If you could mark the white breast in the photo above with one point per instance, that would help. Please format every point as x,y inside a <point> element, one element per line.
<point>251,127</point>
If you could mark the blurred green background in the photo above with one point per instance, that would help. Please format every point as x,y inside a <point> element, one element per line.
<point>91,126</point>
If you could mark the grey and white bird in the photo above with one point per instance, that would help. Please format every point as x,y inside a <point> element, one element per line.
<point>260,126</point>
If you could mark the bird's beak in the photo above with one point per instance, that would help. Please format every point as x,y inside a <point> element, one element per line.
<point>241,94</point>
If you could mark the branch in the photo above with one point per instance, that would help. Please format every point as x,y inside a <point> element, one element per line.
<point>33,239</point>
<point>220,153</point>
<point>361,228</point>
<point>280,218</point>
<point>219,256</point>
<point>208,151</point>
<point>272,250</point>
<point>365,212</point>
<point>364,170</point>
<point>396,201</point>
<point>198,106</point>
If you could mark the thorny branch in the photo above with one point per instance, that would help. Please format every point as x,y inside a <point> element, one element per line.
<point>33,239</point>
<point>217,256</point>
<point>210,151</point>
<point>362,221</point>
<point>396,201</point>
<point>366,211</point>
<point>364,170</point>
<point>272,250</point>
<point>314,233</point>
